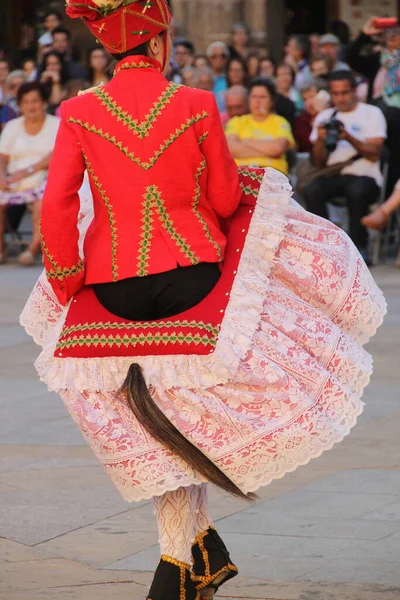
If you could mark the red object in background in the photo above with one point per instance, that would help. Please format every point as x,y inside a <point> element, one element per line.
<point>386,23</point>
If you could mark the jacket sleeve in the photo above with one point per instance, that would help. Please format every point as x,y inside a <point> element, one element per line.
<point>366,65</point>
<point>59,231</point>
<point>223,188</point>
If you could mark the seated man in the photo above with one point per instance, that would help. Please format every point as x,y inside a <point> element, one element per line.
<point>360,136</point>
<point>261,138</point>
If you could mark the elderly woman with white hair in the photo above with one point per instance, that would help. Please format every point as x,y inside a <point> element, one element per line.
<point>218,55</point>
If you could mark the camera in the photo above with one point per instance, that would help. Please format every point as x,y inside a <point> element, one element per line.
<point>333,128</point>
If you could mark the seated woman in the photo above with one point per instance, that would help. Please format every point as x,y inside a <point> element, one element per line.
<point>98,71</point>
<point>26,145</point>
<point>266,68</point>
<point>261,138</point>
<point>285,77</point>
<point>53,77</point>
<point>236,72</point>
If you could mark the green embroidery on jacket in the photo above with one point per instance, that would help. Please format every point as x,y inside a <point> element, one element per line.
<point>146,165</point>
<point>249,173</point>
<point>153,202</point>
<point>62,273</point>
<point>141,129</point>
<point>134,340</point>
<point>202,138</point>
<point>139,325</point>
<point>141,65</point>
<point>195,209</point>
<point>145,237</point>
<point>249,191</point>
<point>111,218</point>
<point>47,254</point>
<point>58,272</point>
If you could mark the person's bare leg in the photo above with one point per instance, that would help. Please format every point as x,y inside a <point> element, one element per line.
<point>378,218</point>
<point>34,246</point>
<point>2,226</point>
<point>27,257</point>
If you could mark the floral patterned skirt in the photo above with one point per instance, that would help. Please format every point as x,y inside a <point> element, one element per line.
<point>284,382</point>
<point>25,197</point>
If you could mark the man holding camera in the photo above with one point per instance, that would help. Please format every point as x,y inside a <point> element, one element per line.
<point>351,133</point>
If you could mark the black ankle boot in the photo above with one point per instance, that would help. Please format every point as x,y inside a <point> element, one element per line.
<point>172,581</point>
<point>212,565</point>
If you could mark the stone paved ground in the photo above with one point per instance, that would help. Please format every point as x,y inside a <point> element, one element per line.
<point>329,531</point>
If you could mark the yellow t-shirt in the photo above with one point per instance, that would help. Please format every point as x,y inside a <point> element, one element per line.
<point>273,127</point>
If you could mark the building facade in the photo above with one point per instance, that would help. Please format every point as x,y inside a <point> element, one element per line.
<point>204,21</point>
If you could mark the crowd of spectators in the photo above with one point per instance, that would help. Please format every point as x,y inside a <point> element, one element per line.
<point>270,111</point>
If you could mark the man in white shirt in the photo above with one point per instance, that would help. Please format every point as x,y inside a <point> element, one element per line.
<point>361,135</point>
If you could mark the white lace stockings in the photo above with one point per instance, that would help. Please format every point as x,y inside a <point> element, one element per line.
<point>181,515</point>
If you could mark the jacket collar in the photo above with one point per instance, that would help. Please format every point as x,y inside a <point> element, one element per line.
<point>137,62</point>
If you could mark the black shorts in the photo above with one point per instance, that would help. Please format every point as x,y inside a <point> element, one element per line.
<point>158,296</point>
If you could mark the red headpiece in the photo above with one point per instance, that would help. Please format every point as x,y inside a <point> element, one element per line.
<point>121,25</point>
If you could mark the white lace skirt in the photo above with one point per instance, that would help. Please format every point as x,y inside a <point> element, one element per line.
<point>283,384</point>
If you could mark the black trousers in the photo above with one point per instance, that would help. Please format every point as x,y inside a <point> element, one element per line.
<point>158,296</point>
<point>359,192</point>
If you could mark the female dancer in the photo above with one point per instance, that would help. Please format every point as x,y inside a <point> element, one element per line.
<point>209,330</point>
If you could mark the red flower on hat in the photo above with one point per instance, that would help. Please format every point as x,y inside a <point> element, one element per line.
<point>78,9</point>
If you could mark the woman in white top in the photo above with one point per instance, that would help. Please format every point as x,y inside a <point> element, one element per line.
<point>26,146</point>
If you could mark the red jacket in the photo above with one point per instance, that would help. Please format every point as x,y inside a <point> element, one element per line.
<point>160,173</point>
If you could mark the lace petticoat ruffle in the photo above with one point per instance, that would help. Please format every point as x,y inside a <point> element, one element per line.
<point>286,378</point>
